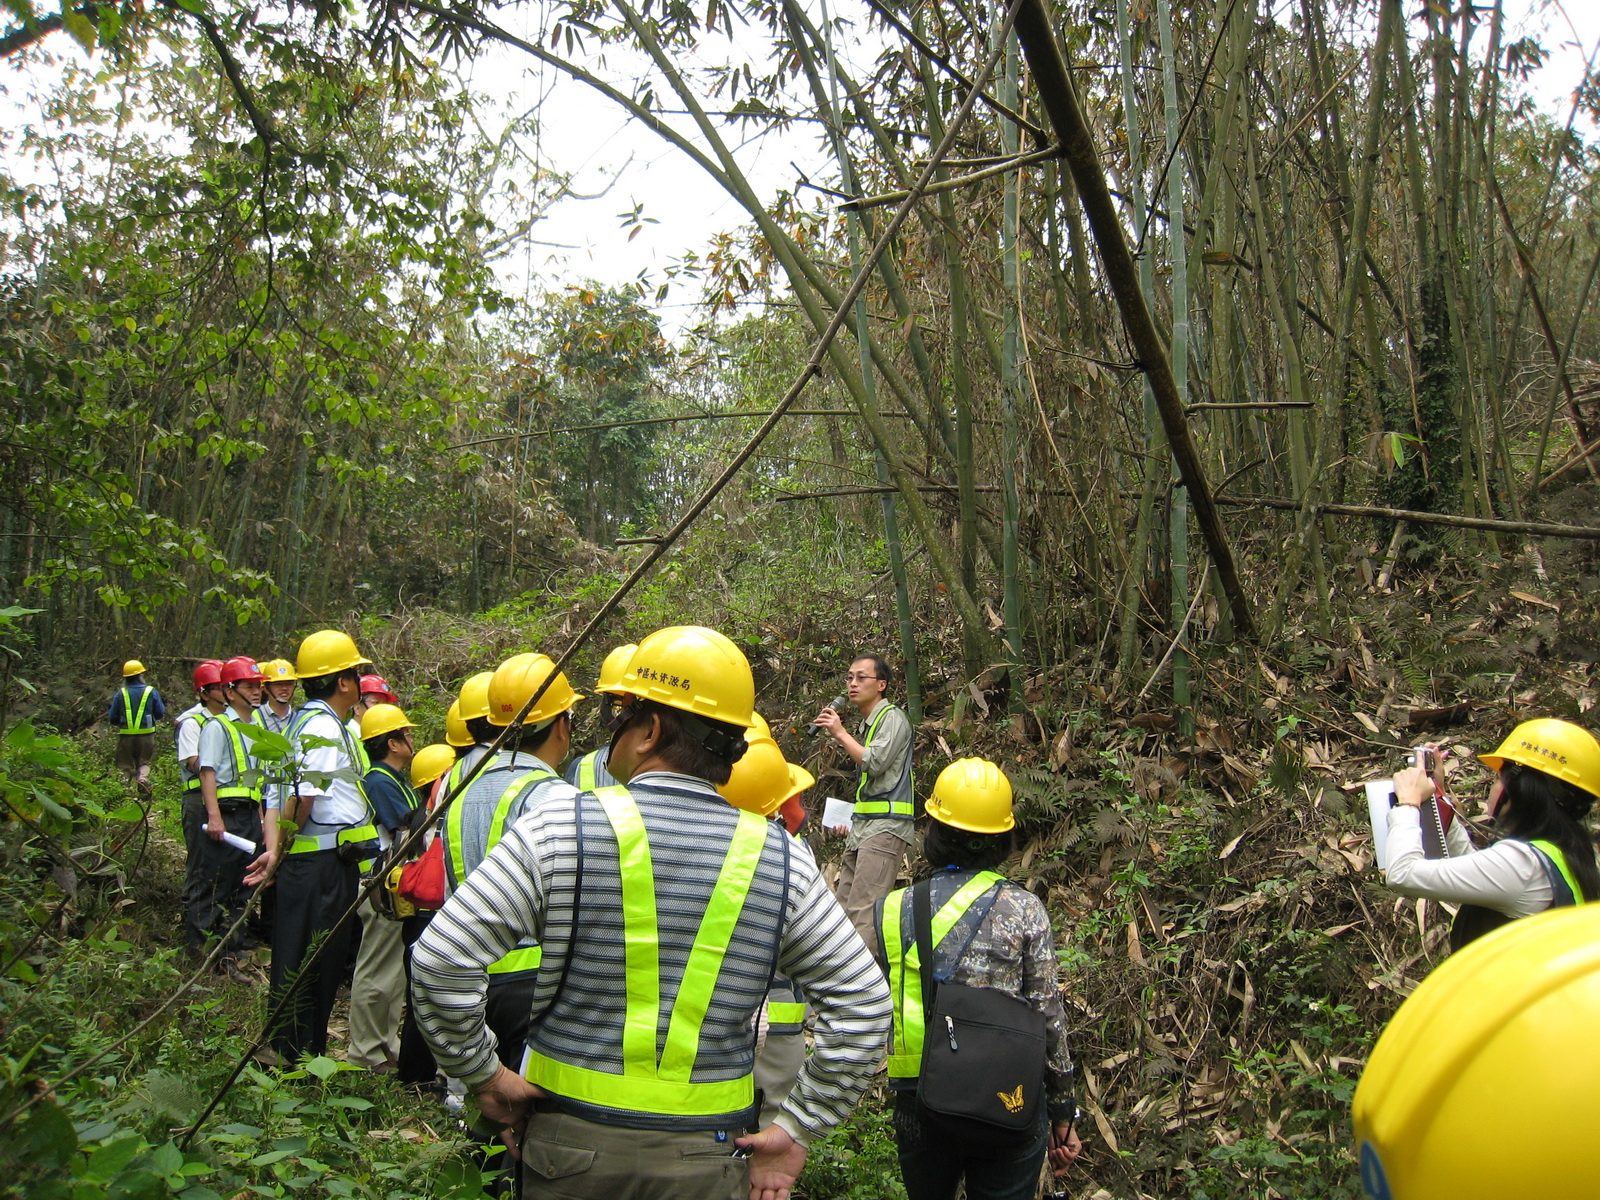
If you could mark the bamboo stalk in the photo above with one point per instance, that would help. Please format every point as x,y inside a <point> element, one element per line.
<point>1060,101</point>
<point>1178,534</point>
<point>1419,517</point>
<point>1011,603</point>
<point>955,182</point>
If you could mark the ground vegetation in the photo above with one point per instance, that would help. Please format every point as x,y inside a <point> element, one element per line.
<point>260,376</point>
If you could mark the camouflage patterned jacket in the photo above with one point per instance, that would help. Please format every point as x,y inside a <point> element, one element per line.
<point>1003,942</point>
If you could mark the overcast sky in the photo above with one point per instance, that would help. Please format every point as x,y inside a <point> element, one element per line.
<point>588,136</point>
<point>605,152</point>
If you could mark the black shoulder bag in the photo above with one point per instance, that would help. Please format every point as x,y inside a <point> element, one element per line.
<point>983,1052</point>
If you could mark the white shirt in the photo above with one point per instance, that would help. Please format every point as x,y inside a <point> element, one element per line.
<point>339,801</point>
<point>1508,877</point>
<point>269,720</point>
<point>215,752</point>
<point>189,739</point>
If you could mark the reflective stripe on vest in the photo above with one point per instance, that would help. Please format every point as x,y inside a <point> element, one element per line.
<point>785,1017</point>
<point>238,789</point>
<point>200,719</point>
<point>882,806</point>
<point>905,968</point>
<point>460,767</point>
<point>133,722</point>
<point>1553,852</point>
<point>587,770</point>
<point>314,835</point>
<point>523,958</point>
<point>357,748</point>
<point>645,1085</point>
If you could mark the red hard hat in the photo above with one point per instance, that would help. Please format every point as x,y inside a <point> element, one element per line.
<point>240,668</point>
<point>375,685</point>
<point>208,673</point>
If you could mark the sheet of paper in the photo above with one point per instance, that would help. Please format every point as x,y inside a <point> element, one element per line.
<point>239,843</point>
<point>1379,792</point>
<point>837,812</point>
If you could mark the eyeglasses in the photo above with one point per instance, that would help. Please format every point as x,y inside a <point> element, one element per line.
<point>860,678</point>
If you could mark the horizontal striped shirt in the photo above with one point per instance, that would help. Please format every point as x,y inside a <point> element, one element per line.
<point>525,888</point>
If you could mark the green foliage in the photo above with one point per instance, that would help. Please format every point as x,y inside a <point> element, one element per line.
<point>98,1085</point>
<point>600,349</point>
<point>857,1161</point>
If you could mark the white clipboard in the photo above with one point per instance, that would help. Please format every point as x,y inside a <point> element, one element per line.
<point>837,812</point>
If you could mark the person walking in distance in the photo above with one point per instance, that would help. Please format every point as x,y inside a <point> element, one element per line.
<point>662,913</point>
<point>885,807</point>
<point>133,712</point>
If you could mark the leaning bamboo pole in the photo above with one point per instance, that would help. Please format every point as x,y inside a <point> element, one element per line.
<point>1178,517</point>
<point>1060,102</point>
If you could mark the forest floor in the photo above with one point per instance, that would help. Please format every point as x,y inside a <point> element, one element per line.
<point>1229,952</point>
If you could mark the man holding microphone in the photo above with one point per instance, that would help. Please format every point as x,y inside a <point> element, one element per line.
<point>885,806</point>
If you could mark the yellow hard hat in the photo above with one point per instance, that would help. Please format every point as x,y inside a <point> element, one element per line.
<point>383,718</point>
<point>759,728</point>
<point>326,653</point>
<point>473,702</point>
<point>1500,1039</point>
<point>972,794</point>
<point>516,680</point>
<point>761,780</point>
<point>1557,748</point>
<point>431,762</point>
<point>615,665</point>
<point>456,732</point>
<point>278,670</point>
<point>132,667</point>
<point>695,669</point>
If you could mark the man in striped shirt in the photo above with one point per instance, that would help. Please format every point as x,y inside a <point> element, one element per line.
<point>662,914</point>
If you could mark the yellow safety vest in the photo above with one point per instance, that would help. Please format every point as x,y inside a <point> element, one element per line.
<point>902,802</point>
<point>905,968</point>
<point>1554,854</point>
<point>647,1084</point>
<point>201,716</point>
<point>238,789</point>
<point>588,770</point>
<point>523,958</point>
<point>133,721</point>
<point>313,835</point>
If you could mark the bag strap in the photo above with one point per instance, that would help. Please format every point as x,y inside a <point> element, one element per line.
<point>783,912</point>
<point>922,921</point>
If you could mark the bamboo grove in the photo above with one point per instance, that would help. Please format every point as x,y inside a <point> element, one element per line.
<point>1370,256</point>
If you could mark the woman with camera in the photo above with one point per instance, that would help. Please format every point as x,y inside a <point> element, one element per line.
<point>1547,781</point>
<point>971,1102</point>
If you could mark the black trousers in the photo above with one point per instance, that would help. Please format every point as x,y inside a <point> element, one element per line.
<point>314,890</point>
<point>415,1062</point>
<point>213,882</point>
<point>508,1011</point>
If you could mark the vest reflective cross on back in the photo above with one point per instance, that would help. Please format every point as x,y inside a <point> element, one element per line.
<point>905,967</point>
<point>133,719</point>
<point>649,1084</point>
<point>523,958</point>
<point>899,800</point>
